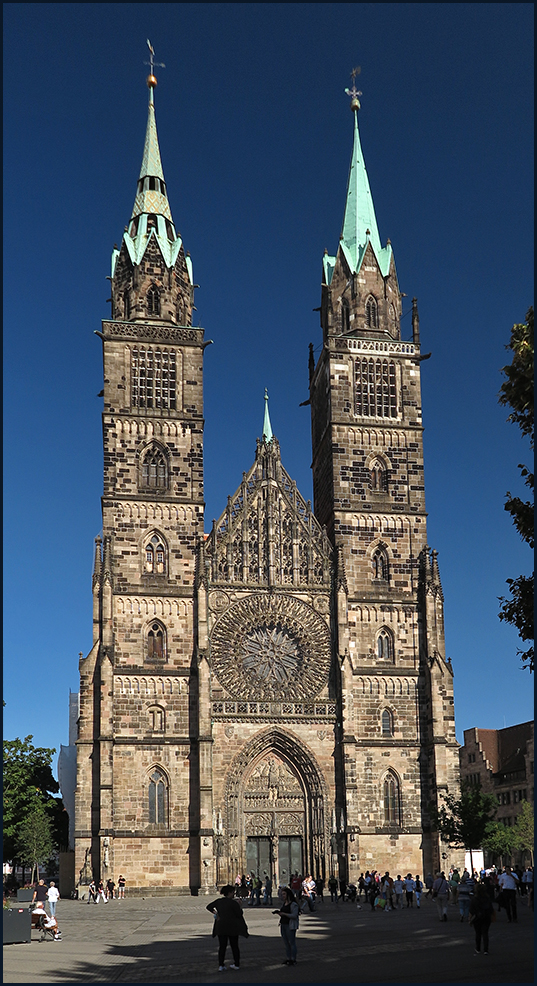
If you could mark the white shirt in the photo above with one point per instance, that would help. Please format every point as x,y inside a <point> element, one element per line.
<point>508,881</point>
<point>53,894</point>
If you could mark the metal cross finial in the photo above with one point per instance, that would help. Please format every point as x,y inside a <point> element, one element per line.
<point>354,92</point>
<point>152,63</point>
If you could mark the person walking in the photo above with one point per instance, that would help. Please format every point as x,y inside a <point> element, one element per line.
<point>481,914</point>
<point>409,890</point>
<point>332,886</point>
<point>267,892</point>
<point>440,895</point>
<point>100,892</point>
<point>40,894</point>
<point>508,883</point>
<point>418,889</point>
<point>465,891</point>
<point>289,921</point>
<point>92,893</point>
<point>398,891</point>
<point>53,896</point>
<point>229,923</point>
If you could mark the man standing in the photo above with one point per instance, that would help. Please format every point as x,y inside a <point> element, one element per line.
<point>508,884</point>
<point>40,893</point>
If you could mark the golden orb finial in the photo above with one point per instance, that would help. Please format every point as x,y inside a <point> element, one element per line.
<point>354,92</point>
<point>151,81</point>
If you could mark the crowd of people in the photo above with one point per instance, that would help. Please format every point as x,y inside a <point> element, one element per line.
<point>98,890</point>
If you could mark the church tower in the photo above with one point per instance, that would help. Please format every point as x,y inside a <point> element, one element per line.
<point>137,799</point>
<point>396,749</point>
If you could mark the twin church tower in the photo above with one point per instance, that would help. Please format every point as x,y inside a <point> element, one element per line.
<point>272,696</point>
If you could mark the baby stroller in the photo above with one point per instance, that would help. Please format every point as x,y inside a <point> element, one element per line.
<point>48,926</point>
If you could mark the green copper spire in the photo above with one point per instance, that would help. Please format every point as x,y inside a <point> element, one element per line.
<point>151,194</point>
<point>267,428</point>
<point>359,221</point>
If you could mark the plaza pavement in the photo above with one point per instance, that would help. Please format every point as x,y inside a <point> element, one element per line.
<point>168,940</point>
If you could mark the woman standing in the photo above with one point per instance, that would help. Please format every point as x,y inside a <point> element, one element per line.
<point>229,924</point>
<point>481,912</point>
<point>288,914</point>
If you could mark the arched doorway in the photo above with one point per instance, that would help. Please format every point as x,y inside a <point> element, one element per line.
<point>275,816</point>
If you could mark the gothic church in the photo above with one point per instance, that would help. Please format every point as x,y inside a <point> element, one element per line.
<point>274,695</point>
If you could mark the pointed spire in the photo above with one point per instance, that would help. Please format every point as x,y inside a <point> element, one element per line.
<point>359,221</point>
<point>151,196</point>
<point>436,572</point>
<point>267,427</point>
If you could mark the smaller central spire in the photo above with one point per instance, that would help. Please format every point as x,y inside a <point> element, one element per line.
<point>267,427</point>
<point>151,195</point>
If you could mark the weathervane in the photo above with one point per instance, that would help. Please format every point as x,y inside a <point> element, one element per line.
<point>151,81</point>
<point>354,92</point>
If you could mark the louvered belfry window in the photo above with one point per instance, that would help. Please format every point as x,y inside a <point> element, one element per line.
<point>375,389</point>
<point>153,378</point>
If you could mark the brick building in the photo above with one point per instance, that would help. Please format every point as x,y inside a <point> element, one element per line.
<point>274,695</point>
<point>501,762</point>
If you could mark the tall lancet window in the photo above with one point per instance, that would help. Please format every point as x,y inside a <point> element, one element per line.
<point>153,300</point>
<point>371,313</point>
<point>158,798</point>
<point>392,800</point>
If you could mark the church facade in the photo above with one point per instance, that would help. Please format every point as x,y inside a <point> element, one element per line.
<point>272,696</point>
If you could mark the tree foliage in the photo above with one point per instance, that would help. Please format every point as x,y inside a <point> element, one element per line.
<point>462,822</point>
<point>34,839</point>
<point>29,787</point>
<point>517,393</point>
<point>499,840</point>
<point>524,829</point>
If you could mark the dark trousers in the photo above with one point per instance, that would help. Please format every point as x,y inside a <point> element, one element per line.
<point>289,940</point>
<point>234,942</point>
<point>509,897</point>
<point>481,928</point>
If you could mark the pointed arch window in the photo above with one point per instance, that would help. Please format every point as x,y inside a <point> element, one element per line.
<point>155,556</point>
<point>127,305</point>
<point>380,565</point>
<point>153,300</point>
<point>156,642</point>
<point>371,313</point>
<point>385,649</point>
<point>155,469</point>
<point>392,799</point>
<point>379,477</point>
<point>158,798</point>
<point>387,722</point>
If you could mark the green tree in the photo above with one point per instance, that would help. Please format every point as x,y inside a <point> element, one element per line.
<point>517,393</point>
<point>462,822</point>
<point>29,786</point>
<point>499,840</point>
<point>34,839</point>
<point>523,829</point>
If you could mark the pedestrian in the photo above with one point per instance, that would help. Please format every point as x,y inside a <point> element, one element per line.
<point>418,890</point>
<point>527,883</point>
<point>429,880</point>
<point>440,895</point>
<point>121,887</point>
<point>92,893</point>
<point>454,880</point>
<point>110,889</point>
<point>40,893</point>
<point>267,892</point>
<point>409,890</point>
<point>319,884</point>
<point>508,883</point>
<point>398,890</point>
<point>332,886</point>
<point>53,896</point>
<point>465,891</point>
<point>481,914</point>
<point>289,921</point>
<point>229,923</point>
<point>308,892</point>
<point>342,888</point>
<point>387,890</point>
<point>100,892</point>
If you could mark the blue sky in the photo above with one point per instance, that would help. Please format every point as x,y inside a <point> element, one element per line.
<point>255,135</point>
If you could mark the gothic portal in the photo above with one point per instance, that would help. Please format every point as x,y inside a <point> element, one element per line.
<point>274,695</point>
